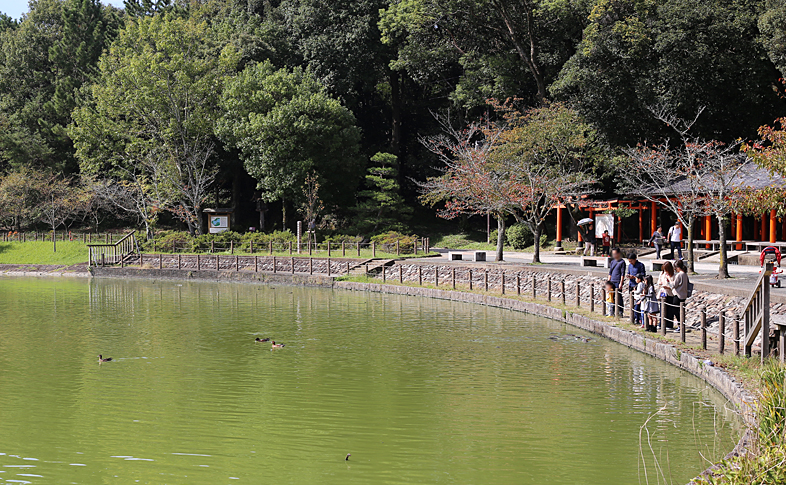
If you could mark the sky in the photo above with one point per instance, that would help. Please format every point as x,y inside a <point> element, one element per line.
<point>15,8</point>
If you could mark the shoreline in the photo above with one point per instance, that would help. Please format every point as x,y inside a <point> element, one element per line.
<point>726,384</point>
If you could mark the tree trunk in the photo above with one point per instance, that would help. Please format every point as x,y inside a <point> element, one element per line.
<point>283,214</point>
<point>54,239</point>
<point>500,238</point>
<point>536,232</point>
<point>723,268</point>
<point>200,220</point>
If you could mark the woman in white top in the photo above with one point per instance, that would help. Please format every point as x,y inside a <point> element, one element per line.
<point>665,292</point>
<point>680,286</point>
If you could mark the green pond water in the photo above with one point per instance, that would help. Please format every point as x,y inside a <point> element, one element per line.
<point>419,391</point>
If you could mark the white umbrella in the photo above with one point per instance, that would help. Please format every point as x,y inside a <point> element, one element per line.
<point>585,221</point>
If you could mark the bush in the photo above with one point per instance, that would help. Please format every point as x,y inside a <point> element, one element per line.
<point>164,240</point>
<point>519,236</point>
<point>262,239</point>
<point>387,241</point>
<point>343,238</point>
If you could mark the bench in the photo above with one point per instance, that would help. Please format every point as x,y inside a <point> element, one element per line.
<point>459,255</point>
<point>601,261</point>
<point>656,264</point>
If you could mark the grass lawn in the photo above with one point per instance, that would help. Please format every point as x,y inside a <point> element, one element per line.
<point>37,252</point>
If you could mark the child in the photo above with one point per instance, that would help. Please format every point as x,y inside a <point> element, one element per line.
<point>639,299</point>
<point>651,306</point>
<point>610,294</point>
<point>606,243</point>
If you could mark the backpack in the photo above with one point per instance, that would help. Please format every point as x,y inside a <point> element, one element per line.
<point>690,289</point>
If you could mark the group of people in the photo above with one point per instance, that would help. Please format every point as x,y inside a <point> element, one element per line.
<point>672,289</point>
<point>674,237</point>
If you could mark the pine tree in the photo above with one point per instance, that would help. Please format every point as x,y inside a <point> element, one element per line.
<point>382,208</point>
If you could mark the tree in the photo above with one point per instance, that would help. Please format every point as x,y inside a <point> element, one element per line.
<point>312,206</point>
<point>151,116</point>
<point>549,153</point>
<point>286,126</point>
<point>381,207</point>
<point>683,54</point>
<point>58,200</point>
<point>19,194</point>
<point>471,182</point>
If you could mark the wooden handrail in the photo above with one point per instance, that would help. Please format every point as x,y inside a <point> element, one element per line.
<point>756,313</point>
<point>762,278</point>
<point>112,253</point>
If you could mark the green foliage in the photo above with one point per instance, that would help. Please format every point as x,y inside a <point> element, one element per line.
<point>381,205</point>
<point>387,241</point>
<point>681,54</point>
<point>262,240</point>
<point>285,126</point>
<point>520,236</point>
<point>343,238</point>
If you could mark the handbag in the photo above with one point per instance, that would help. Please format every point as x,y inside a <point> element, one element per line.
<point>690,289</point>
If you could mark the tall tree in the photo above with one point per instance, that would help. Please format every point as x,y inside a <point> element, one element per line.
<point>286,126</point>
<point>153,111</point>
<point>381,206</point>
<point>684,54</point>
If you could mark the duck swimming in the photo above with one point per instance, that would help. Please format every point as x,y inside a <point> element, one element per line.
<point>277,346</point>
<point>260,340</point>
<point>102,359</point>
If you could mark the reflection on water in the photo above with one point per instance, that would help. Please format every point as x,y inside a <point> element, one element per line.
<point>418,390</point>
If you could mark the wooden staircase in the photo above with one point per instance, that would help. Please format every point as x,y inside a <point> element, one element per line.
<point>756,314</point>
<point>112,253</point>
<point>370,266</point>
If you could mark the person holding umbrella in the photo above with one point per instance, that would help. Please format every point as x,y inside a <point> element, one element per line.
<point>587,234</point>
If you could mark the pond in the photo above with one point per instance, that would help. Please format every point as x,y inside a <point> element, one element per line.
<point>417,390</point>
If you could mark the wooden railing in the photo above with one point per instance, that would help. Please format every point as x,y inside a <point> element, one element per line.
<point>102,254</point>
<point>756,314</point>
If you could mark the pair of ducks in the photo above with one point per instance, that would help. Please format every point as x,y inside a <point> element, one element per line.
<point>274,344</point>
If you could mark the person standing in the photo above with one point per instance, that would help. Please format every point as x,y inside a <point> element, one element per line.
<point>606,242</point>
<point>675,239</point>
<point>665,293</point>
<point>617,268</point>
<point>635,270</point>
<point>588,235</point>
<point>680,289</point>
<point>656,239</point>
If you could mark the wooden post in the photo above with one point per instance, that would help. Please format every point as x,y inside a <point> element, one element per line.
<point>682,321</point>
<point>384,274</point>
<point>231,247</point>
<point>274,265</point>
<point>292,265</point>
<point>271,248</point>
<point>662,318</point>
<point>357,245</point>
<point>534,286</point>
<point>548,288</point>
<point>592,298</point>
<point>420,275</point>
<point>373,249</point>
<point>436,276</point>
<point>398,252</point>
<point>736,335</point>
<point>452,276</point>
<point>518,283</point>
<point>103,259</point>
<point>237,263</point>
<point>401,274</point>
<point>415,246</point>
<point>310,265</point>
<point>486,278</point>
<point>603,300</point>
<point>703,328</point>
<point>212,246</point>
<point>199,265</point>
<point>343,249</point>
<point>632,313</point>
<point>328,244</point>
<point>174,249</point>
<point>562,290</point>
<point>502,277</point>
<point>160,261</point>
<point>309,245</point>
<point>256,264</point>
<point>470,279</point>
<point>578,294</point>
<point>618,304</point>
<point>178,261</point>
<point>218,263</point>
<point>765,319</point>
<point>328,267</point>
<point>290,248</point>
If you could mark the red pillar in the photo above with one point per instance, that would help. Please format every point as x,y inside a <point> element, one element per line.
<point>559,226</point>
<point>773,230</point>
<point>739,231</point>
<point>653,217</point>
<point>707,230</point>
